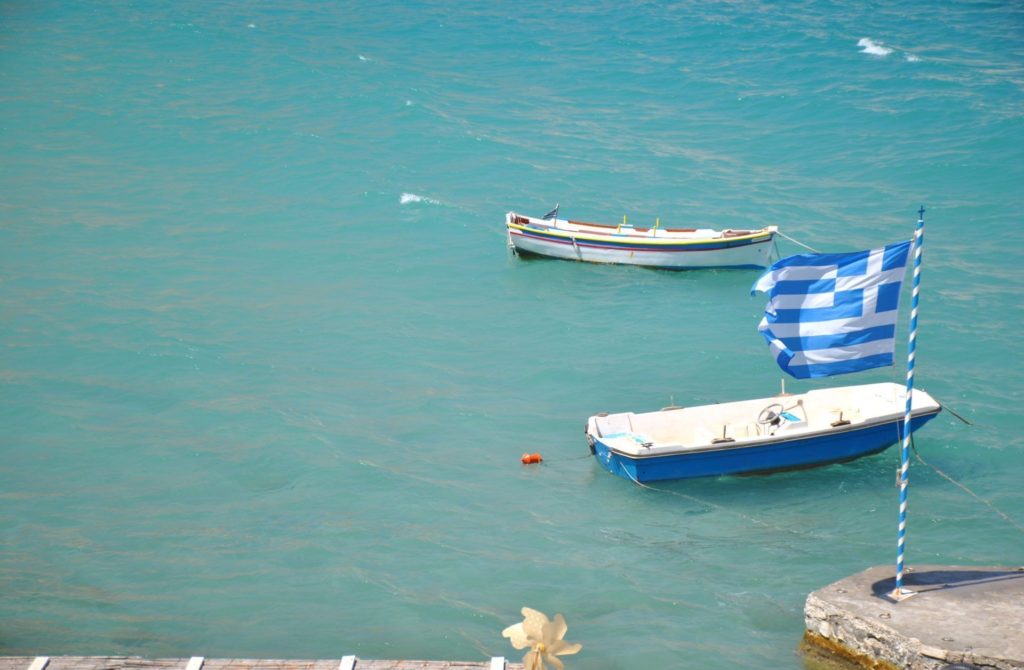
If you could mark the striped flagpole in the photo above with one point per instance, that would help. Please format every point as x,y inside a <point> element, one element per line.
<point>899,593</point>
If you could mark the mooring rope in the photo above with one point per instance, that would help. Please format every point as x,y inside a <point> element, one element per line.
<point>562,459</point>
<point>782,234</point>
<point>950,410</point>
<point>722,508</point>
<point>691,498</point>
<point>965,489</point>
<point>761,522</point>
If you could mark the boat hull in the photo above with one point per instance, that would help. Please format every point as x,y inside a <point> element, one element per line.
<point>783,432</point>
<point>793,453</point>
<point>658,249</point>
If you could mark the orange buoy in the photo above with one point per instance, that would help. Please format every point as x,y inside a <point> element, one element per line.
<point>531,458</point>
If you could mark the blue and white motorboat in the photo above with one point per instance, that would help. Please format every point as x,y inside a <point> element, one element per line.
<point>785,432</point>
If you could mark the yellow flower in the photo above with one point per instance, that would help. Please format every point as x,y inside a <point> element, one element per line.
<point>544,639</point>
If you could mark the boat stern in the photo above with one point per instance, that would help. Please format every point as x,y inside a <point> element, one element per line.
<point>613,462</point>
<point>589,431</point>
<point>610,440</point>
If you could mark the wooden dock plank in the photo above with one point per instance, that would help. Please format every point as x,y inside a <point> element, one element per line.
<point>139,663</point>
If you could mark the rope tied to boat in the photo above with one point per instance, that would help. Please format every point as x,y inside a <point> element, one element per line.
<point>801,244</point>
<point>964,488</point>
<point>710,505</point>
<point>950,410</point>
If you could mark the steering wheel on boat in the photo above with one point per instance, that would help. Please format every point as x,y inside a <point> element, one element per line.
<point>770,414</point>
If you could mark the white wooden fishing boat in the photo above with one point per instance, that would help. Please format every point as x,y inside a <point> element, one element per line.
<point>762,435</point>
<point>669,248</point>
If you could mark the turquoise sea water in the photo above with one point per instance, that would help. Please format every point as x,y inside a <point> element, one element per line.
<point>267,367</point>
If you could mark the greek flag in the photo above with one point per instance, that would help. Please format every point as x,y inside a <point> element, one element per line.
<point>829,314</point>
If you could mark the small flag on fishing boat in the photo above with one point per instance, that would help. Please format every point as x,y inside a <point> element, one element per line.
<point>830,314</point>
<point>553,214</point>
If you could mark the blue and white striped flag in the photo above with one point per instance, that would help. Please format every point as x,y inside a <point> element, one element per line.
<point>829,314</point>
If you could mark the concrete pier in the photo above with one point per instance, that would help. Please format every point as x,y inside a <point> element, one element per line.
<point>960,617</point>
<point>200,663</point>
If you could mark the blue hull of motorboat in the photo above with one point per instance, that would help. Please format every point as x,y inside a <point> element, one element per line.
<point>794,453</point>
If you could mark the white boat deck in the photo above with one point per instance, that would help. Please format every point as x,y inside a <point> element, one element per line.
<point>732,424</point>
<point>630,231</point>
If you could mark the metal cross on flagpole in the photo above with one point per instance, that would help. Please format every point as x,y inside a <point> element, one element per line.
<point>899,593</point>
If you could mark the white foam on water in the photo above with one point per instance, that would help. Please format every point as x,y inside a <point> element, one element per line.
<point>412,197</point>
<point>911,58</point>
<point>872,47</point>
<point>363,58</point>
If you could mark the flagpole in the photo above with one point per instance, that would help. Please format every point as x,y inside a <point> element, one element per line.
<point>899,593</point>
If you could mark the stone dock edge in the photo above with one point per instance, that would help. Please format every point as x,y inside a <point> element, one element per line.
<point>960,617</point>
